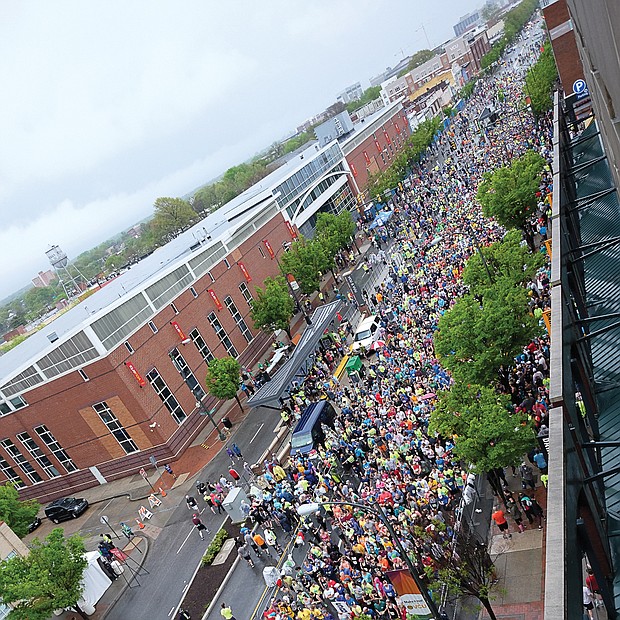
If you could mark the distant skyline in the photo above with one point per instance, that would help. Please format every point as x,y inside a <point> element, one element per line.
<point>108,106</point>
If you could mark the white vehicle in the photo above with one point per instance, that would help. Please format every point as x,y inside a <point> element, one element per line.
<point>366,334</point>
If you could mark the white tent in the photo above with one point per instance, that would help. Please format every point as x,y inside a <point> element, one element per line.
<point>95,581</point>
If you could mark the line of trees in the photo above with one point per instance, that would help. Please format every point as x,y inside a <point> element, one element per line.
<point>514,21</point>
<point>486,328</point>
<point>539,81</point>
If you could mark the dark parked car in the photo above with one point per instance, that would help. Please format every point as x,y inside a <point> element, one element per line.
<point>65,508</point>
<point>34,525</point>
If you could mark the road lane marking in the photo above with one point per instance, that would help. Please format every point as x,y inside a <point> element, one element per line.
<point>170,612</point>
<point>188,535</point>
<point>256,433</point>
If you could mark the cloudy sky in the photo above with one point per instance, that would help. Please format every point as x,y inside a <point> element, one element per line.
<point>108,105</point>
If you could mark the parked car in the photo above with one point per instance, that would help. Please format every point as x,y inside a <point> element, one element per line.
<point>65,508</point>
<point>34,525</point>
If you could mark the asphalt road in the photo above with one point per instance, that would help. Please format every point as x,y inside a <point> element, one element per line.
<point>176,552</point>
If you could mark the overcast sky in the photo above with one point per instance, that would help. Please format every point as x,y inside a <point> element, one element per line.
<point>108,105</point>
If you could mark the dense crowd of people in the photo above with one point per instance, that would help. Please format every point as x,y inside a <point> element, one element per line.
<point>379,452</point>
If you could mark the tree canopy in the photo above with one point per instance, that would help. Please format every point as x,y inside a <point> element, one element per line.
<point>171,216</point>
<point>487,434</point>
<point>16,514</point>
<point>508,262</point>
<point>475,338</point>
<point>47,579</point>
<point>223,378</point>
<point>540,80</point>
<point>307,260</point>
<point>370,94</point>
<point>336,230</point>
<point>508,194</point>
<point>272,306</point>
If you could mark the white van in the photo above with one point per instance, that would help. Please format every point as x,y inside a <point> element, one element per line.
<point>366,333</point>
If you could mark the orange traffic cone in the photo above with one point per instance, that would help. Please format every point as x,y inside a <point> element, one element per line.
<point>163,493</point>
<point>140,524</point>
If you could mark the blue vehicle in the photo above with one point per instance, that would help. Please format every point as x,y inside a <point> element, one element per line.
<point>308,433</point>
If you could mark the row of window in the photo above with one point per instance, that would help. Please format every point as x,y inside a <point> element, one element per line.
<point>34,450</point>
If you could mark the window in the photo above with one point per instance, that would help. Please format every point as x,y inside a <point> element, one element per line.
<point>115,427</point>
<point>83,375</point>
<point>4,408</point>
<point>201,345</point>
<point>129,347</point>
<point>247,294</point>
<point>153,327</point>
<point>227,263</point>
<point>193,291</point>
<point>211,276</point>
<point>166,396</point>
<point>55,448</point>
<point>19,402</point>
<point>188,376</point>
<point>174,308</point>
<point>21,461</point>
<point>222,335</point>
<point>37,454</point>
<point>261,251</point>
<point>10,474</point>
<point>236,315</point>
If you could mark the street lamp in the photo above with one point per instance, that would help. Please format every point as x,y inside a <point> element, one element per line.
<point>305,510</point>
<point>203,411</point>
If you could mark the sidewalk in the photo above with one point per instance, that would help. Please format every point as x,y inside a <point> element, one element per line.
<point>520,564</point>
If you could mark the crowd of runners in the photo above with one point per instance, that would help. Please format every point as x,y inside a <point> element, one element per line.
<point>380,451</point>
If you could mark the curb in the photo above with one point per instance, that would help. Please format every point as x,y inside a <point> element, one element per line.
<point>126,585</point>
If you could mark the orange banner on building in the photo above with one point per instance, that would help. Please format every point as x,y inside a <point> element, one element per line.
<point>216,301</point>
<point>138,377</point>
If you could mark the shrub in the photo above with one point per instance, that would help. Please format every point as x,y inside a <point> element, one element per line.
<point>214,548</point>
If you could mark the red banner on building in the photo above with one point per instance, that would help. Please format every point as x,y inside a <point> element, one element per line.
<point>269,248</point>
<point>353,170</point>
<point>366,157</point>
<point>291,230</point>
<point>214,297</point>
<point>397,127</point>
<point>178,330</point>
<point>378,145</point>
<point>245,272</point>
<point>387,138</point>
<point>138,377</point>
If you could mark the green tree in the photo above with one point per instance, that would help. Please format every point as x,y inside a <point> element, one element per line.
<point>272,306</point>
<point>307,260</point>
<point>171,216</point>
<point>341,227</point>
<point>509,194</point>
<point>487,434</point>
<point>223,378</point>
<point>507,261</point>
<point>113,262</point>
<point>370,94</point>
<point>540,80</point>
<point>47,579</point>
<point>16,514</point>
<point>474,338</point>
<point>419,58</point>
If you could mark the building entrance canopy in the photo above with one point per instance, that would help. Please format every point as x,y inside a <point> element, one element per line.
<point>300,362</point>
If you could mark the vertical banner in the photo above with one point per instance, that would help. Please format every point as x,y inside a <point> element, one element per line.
<point>387,138</point>
<point>269,248</point>
<point>353,170</point>
<point>409,593</point>
<point>366,157</point>
<point>291,230</point>
<point>216,301</point>
<point>178,330</point>
<point>378,145</point>
<point>138,377</point>
<point>397,127</point>
<point>245,272</point>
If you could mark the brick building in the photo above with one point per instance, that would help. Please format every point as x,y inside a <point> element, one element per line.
<point>116,379</point>
<point>375,142</point>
